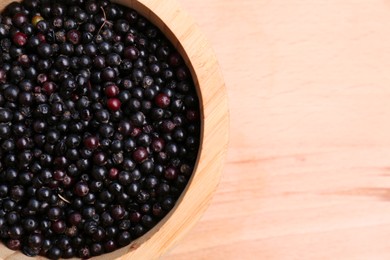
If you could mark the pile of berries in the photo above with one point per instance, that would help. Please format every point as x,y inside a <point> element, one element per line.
<point>99,127</point>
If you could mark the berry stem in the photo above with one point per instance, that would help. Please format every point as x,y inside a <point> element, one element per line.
<point>105,20</point>
<point>61,197</point>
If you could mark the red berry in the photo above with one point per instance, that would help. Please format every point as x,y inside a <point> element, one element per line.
<point>162,100</point>
<point>170,173</point>
<point>48,87</point>
<point>113,104</point>
<point>158,144</point>
<point>59,175</point>
<point>140,154</point>
<point>41,37</point>
<point>112,90</point>
<point>136,132</point>
<point>20,39</point>
<point>113,173</point>
<point>91,142</point>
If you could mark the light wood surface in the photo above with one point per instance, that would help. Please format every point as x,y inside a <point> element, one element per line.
<point>308,169</point>
<point>199,56</point>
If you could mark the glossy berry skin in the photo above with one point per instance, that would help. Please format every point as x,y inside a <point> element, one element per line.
<point>131,53</point>
<point>14,244</point>
<point>124,127</point>
<point>36,19</point>
<point>118,212</point>
<point>108,74</point>
<point>140,154</point>
<point>75,219</point>
<point>162,100</point>
<point>113,173</point>
<point>91,142</point>
<point>81,189</point>
<point>114,104</point>
<point>20,39</point>
<point>58,226</point>
<point>112,90</point>
<point>73,36</point>
<point>45,50</point>
<point>158,144</point>
<point>35,241</point>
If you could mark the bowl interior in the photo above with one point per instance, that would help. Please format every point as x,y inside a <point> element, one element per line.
<point>186,36</point>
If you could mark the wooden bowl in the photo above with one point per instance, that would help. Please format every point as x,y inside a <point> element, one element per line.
<point>194,48</point>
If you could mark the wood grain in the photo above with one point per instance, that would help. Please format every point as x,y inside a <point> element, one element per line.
<point>200,58</point>
<point>308,168</point>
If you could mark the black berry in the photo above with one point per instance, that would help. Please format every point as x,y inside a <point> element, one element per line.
<point>99,127</point>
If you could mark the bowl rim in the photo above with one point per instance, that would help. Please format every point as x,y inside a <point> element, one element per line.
<point>199,56</point>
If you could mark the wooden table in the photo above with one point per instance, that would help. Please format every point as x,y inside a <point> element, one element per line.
<point>308,169</point>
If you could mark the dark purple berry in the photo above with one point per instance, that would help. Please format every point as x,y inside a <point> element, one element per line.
<point>58,226</point>
<point>14,244</point>
<point>171,173</point>
<point>84,253</point>
<point>73,36</point>
<point>140,154</point>
<point>54,213</point>
<point>118,212</point>
<point>108,74</point>
<point>91,142</point>
<point>20,39</point>
<point>112,90</point>
<point>124,127</point>
<point>45,50</point>
<point>99,127</point>
<point>75,218</point>
<point>131,53</point>
<point>81,189</point>
<point>54,253</point>
<point>162,100</point>
<point>110,246</point>
<point>35,241</point>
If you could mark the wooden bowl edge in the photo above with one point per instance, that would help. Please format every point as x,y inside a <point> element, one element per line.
<point>199,56</point>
